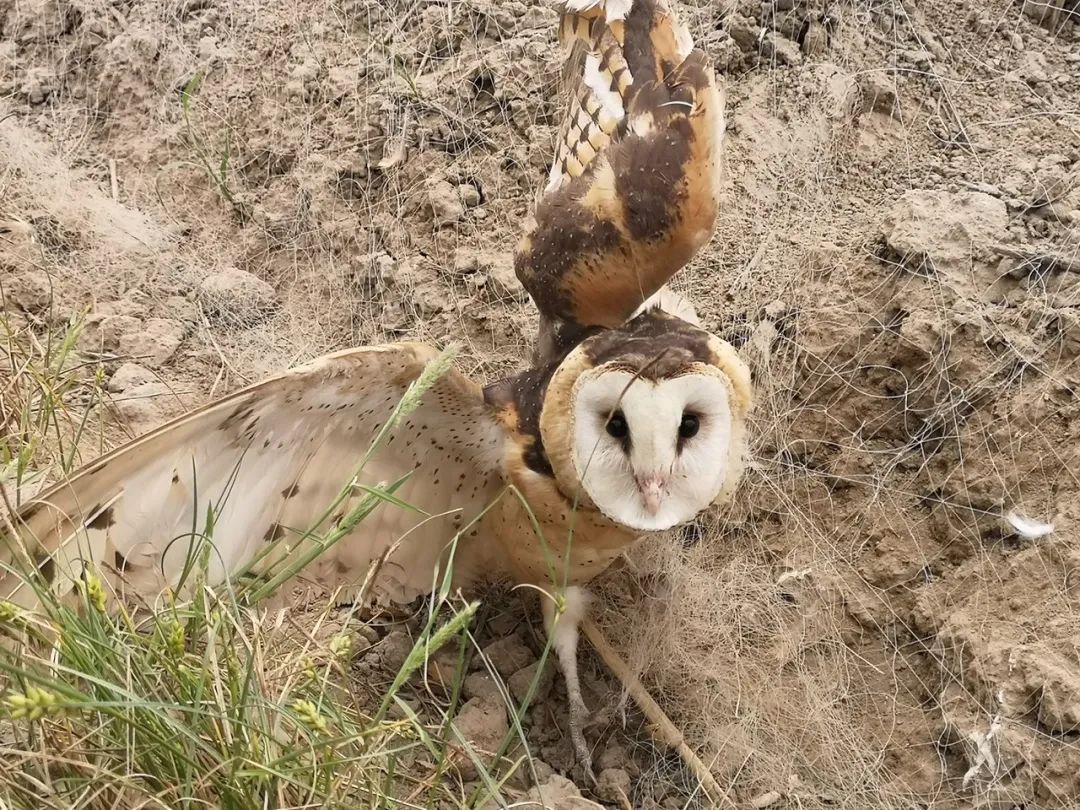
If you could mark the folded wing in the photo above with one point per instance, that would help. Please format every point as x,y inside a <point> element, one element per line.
<point>633,190</point>
<point>259,469</point>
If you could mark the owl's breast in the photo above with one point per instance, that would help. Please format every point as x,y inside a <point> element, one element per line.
<point>545,539</point>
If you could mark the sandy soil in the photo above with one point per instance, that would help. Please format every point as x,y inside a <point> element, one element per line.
<point>228,187</point>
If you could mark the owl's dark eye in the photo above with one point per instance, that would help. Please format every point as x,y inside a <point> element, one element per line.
<point>617,427</point>
<point>689,426</point>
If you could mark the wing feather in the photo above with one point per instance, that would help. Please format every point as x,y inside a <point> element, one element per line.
<point>267,463</point>
<point>597,82</point>
<point>633,192</point>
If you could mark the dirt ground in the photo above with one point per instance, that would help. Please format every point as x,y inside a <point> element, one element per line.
<point>886,617</point>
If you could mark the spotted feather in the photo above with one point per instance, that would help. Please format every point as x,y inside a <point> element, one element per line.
<point>267,463</point>
<point>633,190</point>
<point>598,80</point>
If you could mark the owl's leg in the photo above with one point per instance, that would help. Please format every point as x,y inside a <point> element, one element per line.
<point>562,629</point>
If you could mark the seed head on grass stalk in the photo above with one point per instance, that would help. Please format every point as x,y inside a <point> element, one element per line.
<point>172,638</point>
<point>33,704</point>
<point>94,591</point>
<point>427,645</point>
<point>308,714</point>
<point>9,612</point>
<point>341,645</point>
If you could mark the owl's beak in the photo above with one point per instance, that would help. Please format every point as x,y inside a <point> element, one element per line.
<point>653,488</point>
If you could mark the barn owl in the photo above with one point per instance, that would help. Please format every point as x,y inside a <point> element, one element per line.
<point>628,422</point>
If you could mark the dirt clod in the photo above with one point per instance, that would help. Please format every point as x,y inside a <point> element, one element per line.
<point>509,655</point>
<point>782,50</point>
<point>613,785</point>
<point>501,280</point>
<point>556,789</point>
<point>31,291</point>
<point>939,230</point>
<point>144,405</point>
<point>469,195</point>
<point>481,685</point>
<point>237,297</point>
<point>102,332</point>
<point>128,376</point>
<point>154,342</point>
<point>393,650</point>
<point>483,723</point>
<point>444,203</point>
<point>521,681</point>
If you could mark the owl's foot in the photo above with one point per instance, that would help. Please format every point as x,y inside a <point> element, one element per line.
<point>579,716</point>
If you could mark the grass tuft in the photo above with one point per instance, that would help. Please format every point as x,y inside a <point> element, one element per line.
<point>190,705</point>
<point>50,400</point>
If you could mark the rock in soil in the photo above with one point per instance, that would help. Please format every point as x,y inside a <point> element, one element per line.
<point>613,785</point>
<point>480,684</point>
<point>102,333</point>
<point>482,722</point>
<point>508,655</point>
<point>942,230</point>
<point>128,376</point>
<point>144,406</point>
<point>521,681</point>
<point>236,297</point>
<point>31,291</point>
<point>444,203</point>
<point>154,342</point>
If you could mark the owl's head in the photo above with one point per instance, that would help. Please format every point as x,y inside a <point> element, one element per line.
<point>645,423</point>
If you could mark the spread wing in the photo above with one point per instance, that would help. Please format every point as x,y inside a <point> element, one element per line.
<point>633,191</point>
<point>259,469</point>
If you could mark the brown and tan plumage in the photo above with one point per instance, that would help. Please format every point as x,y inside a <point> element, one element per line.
<point>633,190</point>
<point>629,422</point>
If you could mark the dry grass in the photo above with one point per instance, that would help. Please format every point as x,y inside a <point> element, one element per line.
<point>898,417</point>
<point>893,432</point>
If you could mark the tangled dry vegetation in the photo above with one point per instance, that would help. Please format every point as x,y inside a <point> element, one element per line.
<point>196,193</point>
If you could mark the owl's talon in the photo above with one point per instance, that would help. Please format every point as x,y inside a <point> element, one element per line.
<point>579,716</point>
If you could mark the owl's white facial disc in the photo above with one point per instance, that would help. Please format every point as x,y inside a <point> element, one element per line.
<point>651,454</point>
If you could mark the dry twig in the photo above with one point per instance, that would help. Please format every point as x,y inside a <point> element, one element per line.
<point>661,726</point>
<point>1040,260</point>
